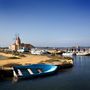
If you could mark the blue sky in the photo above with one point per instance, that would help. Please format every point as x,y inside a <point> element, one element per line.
<point>47,23</point>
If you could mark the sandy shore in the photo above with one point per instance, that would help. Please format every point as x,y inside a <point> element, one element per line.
<point>7,55</point>
<point>29,59</point>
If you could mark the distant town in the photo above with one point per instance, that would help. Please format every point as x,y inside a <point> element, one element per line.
<point>21,47</point>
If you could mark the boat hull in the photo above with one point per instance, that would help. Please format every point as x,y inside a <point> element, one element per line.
<point>68,54</point>
<point>34,70</point>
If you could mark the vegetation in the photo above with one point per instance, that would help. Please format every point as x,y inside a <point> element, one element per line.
<point>59,60</point>
<point>14,57</point>
<point>11,65</point>
<point>60,57</point>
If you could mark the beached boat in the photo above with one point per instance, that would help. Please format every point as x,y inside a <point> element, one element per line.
<point>30,71</point>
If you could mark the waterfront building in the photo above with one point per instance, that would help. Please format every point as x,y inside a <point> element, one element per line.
<point>38,51</point>
<point>17,45</point>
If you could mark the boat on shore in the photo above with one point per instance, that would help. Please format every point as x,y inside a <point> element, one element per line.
<point>34,70</point>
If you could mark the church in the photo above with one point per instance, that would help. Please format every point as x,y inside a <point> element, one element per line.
<point>18,45</point>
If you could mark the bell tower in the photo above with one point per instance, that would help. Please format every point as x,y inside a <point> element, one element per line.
<point>18,42</point>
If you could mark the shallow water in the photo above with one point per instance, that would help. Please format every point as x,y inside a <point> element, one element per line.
<point>76,78</point>
<point>2,57</point>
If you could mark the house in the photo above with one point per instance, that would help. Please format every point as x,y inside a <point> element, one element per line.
<point>38,51</point>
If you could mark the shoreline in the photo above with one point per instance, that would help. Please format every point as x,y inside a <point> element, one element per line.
<point>6,66</point>
<point>34,59</point>
<point>28,59</point>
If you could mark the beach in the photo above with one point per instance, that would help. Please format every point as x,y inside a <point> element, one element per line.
<point>28,59</point>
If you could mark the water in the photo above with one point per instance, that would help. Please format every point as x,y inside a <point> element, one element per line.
<point>2,57</point>
<point>76,78</point>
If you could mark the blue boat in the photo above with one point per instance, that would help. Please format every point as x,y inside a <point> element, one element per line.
<point>34,70</point>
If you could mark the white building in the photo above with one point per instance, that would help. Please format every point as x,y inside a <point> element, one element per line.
<point>38,51</point>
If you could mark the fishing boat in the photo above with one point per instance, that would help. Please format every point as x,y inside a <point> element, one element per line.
<point>83,54</point>
<point>34,70</point>
<point>68,54</point>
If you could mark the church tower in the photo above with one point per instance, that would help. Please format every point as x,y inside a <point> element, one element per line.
<point>18,42</point>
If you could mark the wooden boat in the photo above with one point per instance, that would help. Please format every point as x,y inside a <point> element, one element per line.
<point>30,71</point>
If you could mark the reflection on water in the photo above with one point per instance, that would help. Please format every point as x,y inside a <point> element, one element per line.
<point>14,79</point>
<point>76,78</point>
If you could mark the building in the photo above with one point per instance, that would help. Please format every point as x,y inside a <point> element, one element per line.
<point>38,51</point>
<point>17,45</point>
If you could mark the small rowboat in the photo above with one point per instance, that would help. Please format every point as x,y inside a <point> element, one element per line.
<point>34,70</point>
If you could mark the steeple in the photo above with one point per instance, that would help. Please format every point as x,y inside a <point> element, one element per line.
<point>18,45</point>
<point>18,41</point>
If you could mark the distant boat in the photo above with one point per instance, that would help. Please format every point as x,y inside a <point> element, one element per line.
<point>83,54</point>
<point>68,54</point>
<point>30,71</point>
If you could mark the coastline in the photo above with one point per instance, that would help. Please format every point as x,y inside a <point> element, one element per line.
<point>35,59</point>
<point>6,66</point>
<point>28,59</point>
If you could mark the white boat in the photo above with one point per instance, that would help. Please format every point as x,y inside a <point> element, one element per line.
<point>68,54</point>
<point>82,53</point>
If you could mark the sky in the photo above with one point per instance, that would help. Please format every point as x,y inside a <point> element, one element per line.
<point>48,23</point>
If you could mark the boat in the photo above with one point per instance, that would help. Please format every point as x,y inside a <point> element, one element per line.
<point>83,54</point>
<point>34,70</point>
<point>68,54</point>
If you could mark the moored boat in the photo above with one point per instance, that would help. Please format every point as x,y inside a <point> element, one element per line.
<point>34,70</point>
<point>83,54</point>
<point>68,54</point>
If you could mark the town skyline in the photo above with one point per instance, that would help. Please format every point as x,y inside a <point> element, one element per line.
<point>48,23</point>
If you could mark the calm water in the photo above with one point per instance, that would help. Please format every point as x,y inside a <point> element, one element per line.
<point>2,57</point>
<point>76,78</point>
